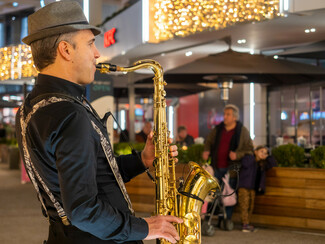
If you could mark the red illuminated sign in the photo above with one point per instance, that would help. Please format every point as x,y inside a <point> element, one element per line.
<point>109,37</point>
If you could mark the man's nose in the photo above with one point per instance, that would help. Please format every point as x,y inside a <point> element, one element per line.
<point>96,53</point>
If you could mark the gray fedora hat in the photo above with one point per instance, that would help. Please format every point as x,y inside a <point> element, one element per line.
<point>57,18</point>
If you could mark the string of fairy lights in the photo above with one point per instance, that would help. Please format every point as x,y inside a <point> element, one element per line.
<point>16,63</point>
<point>184,17</point>
<point>171,18</point>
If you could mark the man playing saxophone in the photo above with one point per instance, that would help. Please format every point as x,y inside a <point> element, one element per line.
<point>65,145</point>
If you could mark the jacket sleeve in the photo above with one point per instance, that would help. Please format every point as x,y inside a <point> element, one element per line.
<point>247,161</point>
<point>210,140</point>
<point>76,147</point>
<point>270,162</point>
<point>130,166</point>
<point>245,144</point>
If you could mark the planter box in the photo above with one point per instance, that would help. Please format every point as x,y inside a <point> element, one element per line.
<point>294,197</point>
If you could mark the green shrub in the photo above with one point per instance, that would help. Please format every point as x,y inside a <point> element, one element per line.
<point>123,148</point>
<point>289,155</point>
<point>318,157</point>
<point>9,142</point>
<point>191,153</point>
<point>195,153</point>
<point>182,154</point>
<point>185,154</point>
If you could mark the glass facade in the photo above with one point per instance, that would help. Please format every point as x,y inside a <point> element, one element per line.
<point>13,27</point>
<point>296,115</point>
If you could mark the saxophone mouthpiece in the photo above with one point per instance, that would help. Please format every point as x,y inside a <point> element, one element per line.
<point>106,67</point>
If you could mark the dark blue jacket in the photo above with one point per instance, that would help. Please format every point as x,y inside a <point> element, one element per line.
<point>66,151</point>
<point>248,172</point>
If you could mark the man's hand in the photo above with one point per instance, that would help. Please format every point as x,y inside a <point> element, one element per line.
<point>205,155</point>
<point>162,227</point>
<point>232,155</point>
<point>148,153</point>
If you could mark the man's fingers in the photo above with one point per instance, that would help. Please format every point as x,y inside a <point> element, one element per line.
<point>174,219</point>
<point>170,238</point>
<point>162,227</point>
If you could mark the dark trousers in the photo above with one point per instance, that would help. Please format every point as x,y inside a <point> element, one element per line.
<point>61,234</point>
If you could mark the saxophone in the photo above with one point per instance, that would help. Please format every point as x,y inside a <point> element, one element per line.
<point>185,202</point>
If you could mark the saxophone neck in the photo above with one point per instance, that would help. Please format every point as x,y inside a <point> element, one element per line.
<point>141,64</point>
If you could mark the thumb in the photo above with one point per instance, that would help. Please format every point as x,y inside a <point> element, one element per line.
<point>150,136</point>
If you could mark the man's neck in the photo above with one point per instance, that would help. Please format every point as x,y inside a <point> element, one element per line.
<point>59,70</point>
<point>231,126</point>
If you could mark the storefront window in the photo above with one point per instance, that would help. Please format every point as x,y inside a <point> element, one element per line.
<point>303,116</point>
<point>274,116</point>
<point>316,123</point>
<point>2,34</point>
<point>288,115</point>
<point>297,115</point>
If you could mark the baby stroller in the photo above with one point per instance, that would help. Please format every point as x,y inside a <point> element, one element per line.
<point>221,200</point>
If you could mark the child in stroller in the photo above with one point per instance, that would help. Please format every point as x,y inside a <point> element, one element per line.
<point>215,205</point>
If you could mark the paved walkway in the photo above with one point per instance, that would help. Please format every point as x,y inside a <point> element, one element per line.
<point>21,220</point>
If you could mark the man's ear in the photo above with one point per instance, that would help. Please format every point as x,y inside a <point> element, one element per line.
<point>65,50</point>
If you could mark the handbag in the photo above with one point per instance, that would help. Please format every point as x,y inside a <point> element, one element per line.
<point>228,200</point>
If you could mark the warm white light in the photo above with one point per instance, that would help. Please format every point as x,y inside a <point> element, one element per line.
<point>242,41</point>
<point>312,30</point>
<point>145,21</point>
<point>286,5</point>
<point>307,31</point>
<point>123,121</point>
<point>284,115</point>
<point>251,110</point>
<point>123,53</point>
<point>171,121</point>
<point>182,18</point>
<point>86,8</point>
<point>189,53</point>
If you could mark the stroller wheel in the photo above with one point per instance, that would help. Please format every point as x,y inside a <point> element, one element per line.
<point>227,224</point>
<point>207,230</point>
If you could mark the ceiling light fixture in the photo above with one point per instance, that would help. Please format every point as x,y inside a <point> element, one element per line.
<point>15,4</point>
<point>310,30</point>
<point>242,41</point>
<point>189,53</point>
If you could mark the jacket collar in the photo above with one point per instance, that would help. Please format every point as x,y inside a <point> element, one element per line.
<point>52,84</point>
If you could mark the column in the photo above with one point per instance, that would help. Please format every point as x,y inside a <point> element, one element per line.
<point>260,112</point>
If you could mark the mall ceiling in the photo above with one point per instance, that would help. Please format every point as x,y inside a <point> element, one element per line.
<point>267,37</point>
<point>285,35</point>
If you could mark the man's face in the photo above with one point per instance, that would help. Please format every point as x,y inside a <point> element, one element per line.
<point>182,134</point>
<point>228,117</point>
<point>84,57</point>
